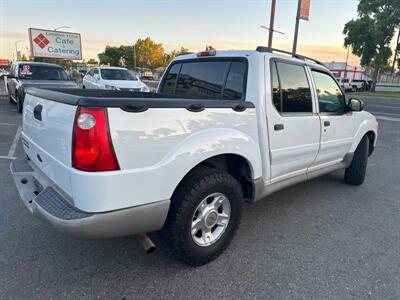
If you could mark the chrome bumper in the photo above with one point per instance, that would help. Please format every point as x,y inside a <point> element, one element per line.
<point>44,200</point>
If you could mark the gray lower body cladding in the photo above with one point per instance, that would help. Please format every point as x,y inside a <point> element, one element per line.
<point>45,201</point>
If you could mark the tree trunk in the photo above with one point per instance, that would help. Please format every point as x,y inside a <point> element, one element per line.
<point>374,79</point>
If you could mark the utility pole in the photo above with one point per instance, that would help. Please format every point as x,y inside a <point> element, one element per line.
<point>347,60</point>
<point>271,23</point>
<point>296,30</point>
<point>395,51</point>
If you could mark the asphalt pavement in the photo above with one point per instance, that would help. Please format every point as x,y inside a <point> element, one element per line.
<point>317,240</point>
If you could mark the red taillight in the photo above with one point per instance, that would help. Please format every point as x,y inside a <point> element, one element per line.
<point>92,148</point>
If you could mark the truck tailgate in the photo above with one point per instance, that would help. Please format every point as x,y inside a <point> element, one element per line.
<point>46,137</point>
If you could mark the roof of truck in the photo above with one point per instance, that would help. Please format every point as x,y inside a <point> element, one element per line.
<point>259,51</point>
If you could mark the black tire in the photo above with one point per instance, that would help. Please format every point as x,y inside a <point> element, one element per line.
<point>20,103</point>
<point>355,173</point>
<point>9,93</point>
<point>200,183</point>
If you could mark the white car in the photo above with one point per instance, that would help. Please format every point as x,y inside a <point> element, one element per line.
<point>345,84</point>
<point>113,78</point>
<point>225,127</point>
<point>357,84</point>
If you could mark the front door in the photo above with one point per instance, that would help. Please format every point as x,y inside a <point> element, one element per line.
<point>293,124</point>
<point>337,124</point>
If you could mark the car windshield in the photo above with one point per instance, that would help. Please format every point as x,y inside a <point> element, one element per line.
<point>117,74</point>
<point>37,72</point>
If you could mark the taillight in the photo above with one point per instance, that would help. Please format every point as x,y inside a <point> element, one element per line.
<point>92,148</point>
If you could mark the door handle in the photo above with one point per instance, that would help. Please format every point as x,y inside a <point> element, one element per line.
<point>278,127</point>
<point>327,123</point>
<point>37,112</point>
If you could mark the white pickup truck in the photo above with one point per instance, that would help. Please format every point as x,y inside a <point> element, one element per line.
<point>224,127</point>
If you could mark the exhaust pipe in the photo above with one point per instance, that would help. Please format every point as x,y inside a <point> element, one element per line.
<point>146,243</point>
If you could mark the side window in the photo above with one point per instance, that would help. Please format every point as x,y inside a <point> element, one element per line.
<point>170,79</point>
<point>295,90</point>
<point>202,79</point>
<point>330,97</point>
<point>276,89</point>
<point>234,86</point>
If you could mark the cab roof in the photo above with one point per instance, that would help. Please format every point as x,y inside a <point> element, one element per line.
<point>264,51</point>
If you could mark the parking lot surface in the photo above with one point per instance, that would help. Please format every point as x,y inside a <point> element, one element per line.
<point>317,240</point>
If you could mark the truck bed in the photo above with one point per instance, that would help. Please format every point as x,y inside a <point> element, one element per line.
<point>156,138</point>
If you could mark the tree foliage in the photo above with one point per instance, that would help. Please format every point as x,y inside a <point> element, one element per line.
<point>144,53</point>
<point>92,61</point>
<point>371,33</point>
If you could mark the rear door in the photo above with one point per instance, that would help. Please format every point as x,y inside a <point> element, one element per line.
<point>337,124</point>
<point>293,123</point>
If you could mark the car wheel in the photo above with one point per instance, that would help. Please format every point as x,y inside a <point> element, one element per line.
<point>204,216</point>
<point>355,173</point>
<point>20,103</point>
<point>9,93</point>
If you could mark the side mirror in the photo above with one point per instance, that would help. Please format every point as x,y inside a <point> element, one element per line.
<point>355,105</point>
<point>96,76</point>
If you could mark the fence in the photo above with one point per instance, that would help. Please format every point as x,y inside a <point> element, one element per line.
<point>389,79</point>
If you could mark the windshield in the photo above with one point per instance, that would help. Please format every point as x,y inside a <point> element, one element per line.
<point>42,73</point>
<point>117,74</point>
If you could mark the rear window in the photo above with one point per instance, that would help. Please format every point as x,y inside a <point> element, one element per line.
<point>38,72</point>
<point>216,79</point>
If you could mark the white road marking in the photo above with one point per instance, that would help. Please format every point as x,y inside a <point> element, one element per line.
<point>15,142</point>
<point>382,113</point>
<point>387,118</point>
<point>7,124</point>
<point>384,106</point>
<point>7,157</point>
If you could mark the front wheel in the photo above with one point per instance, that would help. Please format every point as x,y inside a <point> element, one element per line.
<point>204,216</point>
<point>355,173</point>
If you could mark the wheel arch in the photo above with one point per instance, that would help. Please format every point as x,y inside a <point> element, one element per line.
<point>234,164</point>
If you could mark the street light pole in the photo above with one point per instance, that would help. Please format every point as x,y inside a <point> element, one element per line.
<point>271,23</point>
<point>296,30</point>
<point>57,28</point>
<point>16,48</point>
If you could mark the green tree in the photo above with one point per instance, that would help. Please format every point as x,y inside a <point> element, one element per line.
<point>111,55</point>
<point>371,33</point>
<point>149,54</point>
<point>92,61</point>
<point>168,57</point>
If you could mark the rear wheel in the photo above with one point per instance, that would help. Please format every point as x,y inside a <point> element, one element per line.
<point>355,173</point>
<point>204,216</point>
<point>10,98</point>
<point>20,103</point>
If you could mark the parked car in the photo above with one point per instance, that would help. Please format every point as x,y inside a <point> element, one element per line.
<point>223,128</point>
<point>345,84</point>
<point>358,84</point>
<point>113,78</point>
<point>34,74</point>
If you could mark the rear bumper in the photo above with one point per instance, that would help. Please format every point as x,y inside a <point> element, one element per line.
<point>44,200</point>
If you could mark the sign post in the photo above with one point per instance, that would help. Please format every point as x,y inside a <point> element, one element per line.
<point>303,12</point>
<point>55,44</point>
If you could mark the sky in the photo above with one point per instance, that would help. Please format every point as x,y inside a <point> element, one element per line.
<point>193,24</point>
